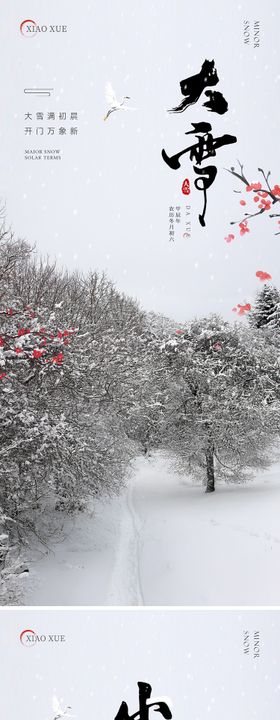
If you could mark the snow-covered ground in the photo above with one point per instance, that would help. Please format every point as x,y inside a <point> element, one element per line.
<point>164,542</point>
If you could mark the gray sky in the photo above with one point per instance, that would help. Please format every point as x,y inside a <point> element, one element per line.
<point>106,204</point>
<point>193,657</point>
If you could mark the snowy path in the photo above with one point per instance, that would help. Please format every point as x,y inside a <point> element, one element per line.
<point>164,542</point>
<point>126,585</point>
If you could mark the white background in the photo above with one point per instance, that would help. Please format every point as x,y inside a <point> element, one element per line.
<point>194,657</point>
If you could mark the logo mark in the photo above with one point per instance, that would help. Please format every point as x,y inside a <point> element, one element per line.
<point>27,28</point>
<point>29,638</point>
<point>26,637</point>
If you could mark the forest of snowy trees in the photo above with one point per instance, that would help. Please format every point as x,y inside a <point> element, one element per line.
<point>88,381</point>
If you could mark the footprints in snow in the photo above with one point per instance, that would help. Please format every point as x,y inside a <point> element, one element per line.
<point>240,528</point>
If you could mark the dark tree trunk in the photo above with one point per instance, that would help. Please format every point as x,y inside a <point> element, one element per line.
<point>210,487</point>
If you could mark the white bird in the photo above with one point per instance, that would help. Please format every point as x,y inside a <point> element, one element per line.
<point>59,712</point>
<point>113,102</point>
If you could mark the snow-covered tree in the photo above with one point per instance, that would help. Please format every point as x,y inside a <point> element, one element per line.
<point>222,400</point>
<point>266,310</point>
<point>68,362</point>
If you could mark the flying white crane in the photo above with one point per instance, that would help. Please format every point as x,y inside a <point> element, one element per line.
<point>113,102</point>
<point>59,712</point>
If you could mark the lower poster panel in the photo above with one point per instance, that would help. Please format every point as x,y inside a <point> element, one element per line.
<point>107,664</point>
